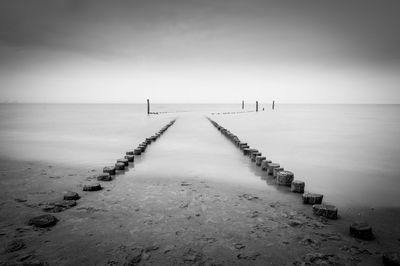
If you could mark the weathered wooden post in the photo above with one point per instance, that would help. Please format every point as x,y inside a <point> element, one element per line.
<point>273,105</point>
<point>256,106</point>
<point>148,106</point>
<point>242,105</point>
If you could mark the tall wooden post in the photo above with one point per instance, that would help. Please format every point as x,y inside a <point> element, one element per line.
<point>256,106</point>
<point>273,105</point>
<point>148,106</point>
<point>242,105</point>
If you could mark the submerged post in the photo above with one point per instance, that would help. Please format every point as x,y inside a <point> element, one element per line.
<point>256,106</point>
<point>148,106</point>
<point>242,105</point>
<point>273,105</point>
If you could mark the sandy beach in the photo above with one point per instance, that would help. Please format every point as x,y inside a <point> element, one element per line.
<point>178,221</point>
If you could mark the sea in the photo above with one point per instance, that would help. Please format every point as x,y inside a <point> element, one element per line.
<point>349,153</point>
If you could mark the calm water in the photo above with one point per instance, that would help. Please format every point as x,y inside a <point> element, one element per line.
<point>350,153</point>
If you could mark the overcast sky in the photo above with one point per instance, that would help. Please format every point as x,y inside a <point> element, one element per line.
<point>200,51</point>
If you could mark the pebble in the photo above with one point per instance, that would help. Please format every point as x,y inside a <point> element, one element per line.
<point>43,221</point>
<point>59,206</point>
<point>15,245</point>
<point>104,177</point>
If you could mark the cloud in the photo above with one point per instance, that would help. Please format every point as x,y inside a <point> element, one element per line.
<point>44,40</point>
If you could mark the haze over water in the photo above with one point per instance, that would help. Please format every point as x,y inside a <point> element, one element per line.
<point>349,153</point>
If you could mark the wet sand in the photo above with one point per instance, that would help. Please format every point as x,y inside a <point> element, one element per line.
<point>147,216</point>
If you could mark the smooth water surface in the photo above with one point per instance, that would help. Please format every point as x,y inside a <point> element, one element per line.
<point>349,153</point>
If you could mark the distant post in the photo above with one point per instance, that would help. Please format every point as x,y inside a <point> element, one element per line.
<point>148,106</point>
<point>256,106</point>
<point>242,105</point>
<point>273,105</point>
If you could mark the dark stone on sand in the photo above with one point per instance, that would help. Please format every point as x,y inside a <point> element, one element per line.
<point>104,177</point>
<point>59,206</point>
<point>391,259</point>
<point>70,195</point>
<point>284,178</point>
<point>109,169</point>
<point>124,161</point>
<point>319,259</point>
<point>361,230</point>
<point>134,257</point>
<point>137,151</point>
<point>312,198</point>
<point>129,153</point>
<point>120,166</point>
<point>325,210</point>
<point>15,245</point>
<point>130,158</point>
<point>92,187</point>
<point>297,186</point>
<point>20,200</point>
<point>43,221</point>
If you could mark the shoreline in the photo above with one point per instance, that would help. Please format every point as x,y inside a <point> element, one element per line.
<point>186,221</point>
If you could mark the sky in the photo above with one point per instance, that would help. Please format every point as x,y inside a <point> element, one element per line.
<point>200,51</point>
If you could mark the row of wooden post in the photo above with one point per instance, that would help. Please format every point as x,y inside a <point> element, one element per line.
<point>273,105</point>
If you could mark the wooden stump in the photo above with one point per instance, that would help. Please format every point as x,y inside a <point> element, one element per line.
<point>361,230</point>
<point>137,151</point>
<point>124,161</point>
<point>271,166</point>
<point>275,171</point>
<point>130,158</point>
<point>104,177</point>
<point>70,195</point>
<point>120,166</point>
<point>265,164</point>
<point>246,151</point>
<point>325,210</point>
<point>92,187</point>
<point>251,151</point>
<point>109,169</point>
<point>260,159</point>
<point>254,155</point>
<point>142,148</point>
<point>129,153</point>
<point>43,221</point>
<point>284,178</point>
<point>312,198</point>
<point>297,186</point>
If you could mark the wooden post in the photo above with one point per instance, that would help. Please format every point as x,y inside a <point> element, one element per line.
<point>273,105</point>
<point>256,106</point>
<point>242,105</point>
<point>148,106</point>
